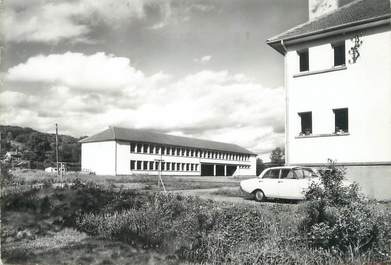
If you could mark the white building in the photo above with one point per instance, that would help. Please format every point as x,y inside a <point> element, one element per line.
<point>338,90</point>
<point>121,151</point>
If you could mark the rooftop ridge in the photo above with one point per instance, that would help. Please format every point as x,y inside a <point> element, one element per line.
<point>356,12</point>
<point>177,136</point>
<point>316,19</point>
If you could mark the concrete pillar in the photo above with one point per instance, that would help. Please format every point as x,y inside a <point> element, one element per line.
<point>225,170</point>
<point>214,170</point>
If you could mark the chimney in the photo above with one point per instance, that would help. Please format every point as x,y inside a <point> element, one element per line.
<point>320,7</point>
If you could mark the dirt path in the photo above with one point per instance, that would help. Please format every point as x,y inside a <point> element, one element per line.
<point>208,194</point>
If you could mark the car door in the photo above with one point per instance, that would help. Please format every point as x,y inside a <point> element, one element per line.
<point>292,184</point>
<point>269,183</point>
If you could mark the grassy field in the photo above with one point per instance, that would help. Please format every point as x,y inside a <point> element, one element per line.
<point>143,182</point>
<point>95,225</point>
<point>86,223</point>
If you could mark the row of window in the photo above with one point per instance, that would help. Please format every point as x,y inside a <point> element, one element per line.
<point>165,166</point>
<point>289,174</point>
<point>341,121</point>
<point>186,152</point>
<point>339,57</point>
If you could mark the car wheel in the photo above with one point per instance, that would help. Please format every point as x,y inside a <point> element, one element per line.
<point>259,195</point>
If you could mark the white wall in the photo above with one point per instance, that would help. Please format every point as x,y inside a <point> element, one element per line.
<point>98,157</point>
<point>364,88</point>
<point>124,156</point>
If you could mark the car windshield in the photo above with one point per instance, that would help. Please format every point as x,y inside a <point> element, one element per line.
<point>308,173</point>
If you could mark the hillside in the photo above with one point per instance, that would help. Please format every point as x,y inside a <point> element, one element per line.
<point>39,147</point>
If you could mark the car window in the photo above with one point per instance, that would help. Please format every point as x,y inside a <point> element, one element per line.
<point>287,174</point>
<point>299,173</point>
<point>308,173</point>
<point>272,174</point>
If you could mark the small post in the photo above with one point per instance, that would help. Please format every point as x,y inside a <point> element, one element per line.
<point>160,180</point>
<point>57,148</point>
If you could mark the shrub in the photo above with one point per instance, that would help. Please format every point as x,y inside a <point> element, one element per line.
<point>340,219</point>
<point>191,228</point>
<point>5,177</point>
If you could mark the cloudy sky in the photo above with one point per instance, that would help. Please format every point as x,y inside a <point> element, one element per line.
<point>196,68</point>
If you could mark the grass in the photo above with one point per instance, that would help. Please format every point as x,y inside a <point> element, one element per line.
<point>139,182</point>
<point>100,225</point>
<point>230,192</point>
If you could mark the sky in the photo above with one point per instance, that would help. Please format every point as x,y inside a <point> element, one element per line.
<point>197,68</point>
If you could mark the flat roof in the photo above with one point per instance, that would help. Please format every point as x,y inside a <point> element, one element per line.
<point>145,136</point>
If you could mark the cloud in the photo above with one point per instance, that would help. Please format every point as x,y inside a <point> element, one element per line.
<point>203,59</point>
<point>87,93</point>
<point>53,21</point>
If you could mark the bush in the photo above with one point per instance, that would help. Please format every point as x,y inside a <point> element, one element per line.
<point>191,228</point>
<point>340,219</point>
<point>6,177</point>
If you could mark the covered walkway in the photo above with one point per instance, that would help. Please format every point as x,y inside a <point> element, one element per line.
<point>217,169</point>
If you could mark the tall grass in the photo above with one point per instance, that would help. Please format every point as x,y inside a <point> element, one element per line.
<point>215,233</point>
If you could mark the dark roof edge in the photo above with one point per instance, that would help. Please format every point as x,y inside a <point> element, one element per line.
<point>365,23</point>
<point>115,138</point>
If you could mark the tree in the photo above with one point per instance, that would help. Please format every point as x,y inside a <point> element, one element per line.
<point>278,156</point>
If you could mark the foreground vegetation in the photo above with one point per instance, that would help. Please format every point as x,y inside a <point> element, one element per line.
<point>142,182</point>
<point>337,226</point>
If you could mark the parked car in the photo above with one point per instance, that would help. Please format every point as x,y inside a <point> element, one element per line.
<point>287,182</point>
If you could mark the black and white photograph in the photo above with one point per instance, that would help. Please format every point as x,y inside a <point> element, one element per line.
<point>195,132</point>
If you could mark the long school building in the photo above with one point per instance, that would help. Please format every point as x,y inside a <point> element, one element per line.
<point>122,151</point>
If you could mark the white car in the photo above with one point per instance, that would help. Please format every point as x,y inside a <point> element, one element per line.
<point>288,182</point>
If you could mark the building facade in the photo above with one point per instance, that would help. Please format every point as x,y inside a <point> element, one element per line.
<point>338,90</point>
<point>121,151</point>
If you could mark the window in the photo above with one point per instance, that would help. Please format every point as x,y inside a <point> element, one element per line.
<point>150,165</point>
<point>339,54</point>
<point>132,164</point>
<point>138,165</point>
<point>272,174</point>
<point>306,123</point>
<point>298,173</point>
<point>341,120</point>
<point>303,60</point>
<point>287,174</point>
<point>132,147</point>
<point>307,173</point>
<point>145,165</point>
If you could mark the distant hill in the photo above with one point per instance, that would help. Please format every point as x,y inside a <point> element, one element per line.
<point>37,146</point>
